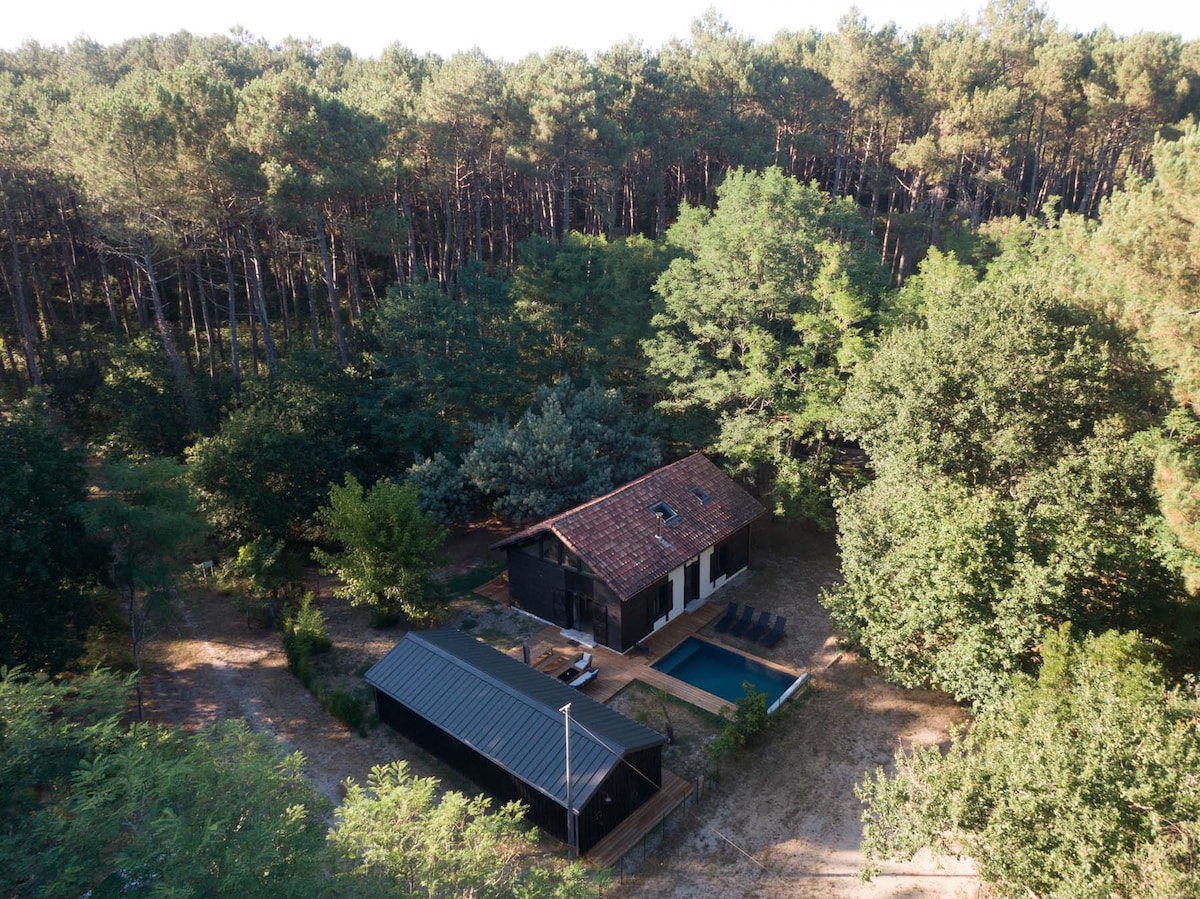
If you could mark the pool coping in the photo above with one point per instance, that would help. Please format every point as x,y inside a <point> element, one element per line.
<point>799,677</point>
<point>769,663</point>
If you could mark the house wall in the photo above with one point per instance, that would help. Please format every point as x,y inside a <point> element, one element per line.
<point>635,623</point>
<point>707,587</point>
<point>607,621</point>
<point>625,788</point>
<point>736,557</point>
<point>532,583</point>
<point>545,812</point>
<point>736,550</point>
<point>677,602</point>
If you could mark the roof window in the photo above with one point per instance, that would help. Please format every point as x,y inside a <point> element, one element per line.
<point>668,514</point>
<point>699,493</point>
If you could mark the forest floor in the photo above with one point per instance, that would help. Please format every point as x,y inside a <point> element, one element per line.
<point>781,819</point>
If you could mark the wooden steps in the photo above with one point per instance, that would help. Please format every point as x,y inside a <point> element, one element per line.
<point>614,847</point>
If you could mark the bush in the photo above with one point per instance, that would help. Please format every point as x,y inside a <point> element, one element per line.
<point>304,636</point>
<point>747,721</point>
<point>383,616</point>
<point>348,707</point>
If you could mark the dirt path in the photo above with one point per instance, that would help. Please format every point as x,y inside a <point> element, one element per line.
<point>786,824</point>
<point>210,666</point>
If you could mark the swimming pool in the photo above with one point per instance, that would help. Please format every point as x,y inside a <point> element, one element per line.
<point>716,670</point>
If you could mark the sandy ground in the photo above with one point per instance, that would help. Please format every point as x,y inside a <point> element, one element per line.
<point>781,821</point>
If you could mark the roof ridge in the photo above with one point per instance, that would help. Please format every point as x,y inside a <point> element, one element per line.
<point>554,519</point>
<point>549,522</point>
<point>591,706</point>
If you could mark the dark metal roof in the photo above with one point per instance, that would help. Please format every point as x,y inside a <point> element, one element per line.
<point>508,711</point>
<point>617,534</point>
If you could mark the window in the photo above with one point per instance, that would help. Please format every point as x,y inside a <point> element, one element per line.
<point>668,514</point>
<point>718,563</point>
<point>658,603</point>
<point>699,493</point>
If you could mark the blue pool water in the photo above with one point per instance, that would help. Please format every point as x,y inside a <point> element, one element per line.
<point>721,672</point>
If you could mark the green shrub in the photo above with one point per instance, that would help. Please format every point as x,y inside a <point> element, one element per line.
<point>304,636</point>
<point>348,707</point>
<point>748,720</point>
<point>383,616</point>
<point>444,492</point>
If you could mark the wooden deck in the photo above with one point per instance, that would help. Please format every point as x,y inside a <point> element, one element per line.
<point>553,653</point>
<point>614,847</point>
<point>496,590</point>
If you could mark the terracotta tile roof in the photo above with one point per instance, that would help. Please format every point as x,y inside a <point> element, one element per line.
<point>615,534</point>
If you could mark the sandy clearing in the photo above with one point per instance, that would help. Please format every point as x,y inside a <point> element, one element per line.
<point>786,823</point>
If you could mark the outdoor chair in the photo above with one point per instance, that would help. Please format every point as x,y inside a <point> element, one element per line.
<point>586,678</point>
<point>584,663</point>
<point>776,632</point>
<point>730,616</point>
<point>760,627</point>
<point>744,622</point>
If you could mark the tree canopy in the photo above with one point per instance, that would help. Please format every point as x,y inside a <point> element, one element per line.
<point>1009,496</point>
<point>393,832</point>
<point>762,313</point>
<point>94,806</point>
<point>47,563</point>
<point>388,546</point>
<point>1079,782</point>
<point>570,445</point>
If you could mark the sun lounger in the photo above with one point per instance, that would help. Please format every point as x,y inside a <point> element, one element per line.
<point>744,622</point>
<point>729,618</point>
<point>776,632</point>
<point>586,678</point>
<point>760,627</point>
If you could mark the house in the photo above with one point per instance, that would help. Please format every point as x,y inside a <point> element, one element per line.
<point>499,722</point>
<point>622,565</point>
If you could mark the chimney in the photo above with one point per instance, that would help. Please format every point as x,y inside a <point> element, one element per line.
<point>658,516</point>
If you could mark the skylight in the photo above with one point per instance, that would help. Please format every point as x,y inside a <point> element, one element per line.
<point>668,514</point>
<point>699,493</point>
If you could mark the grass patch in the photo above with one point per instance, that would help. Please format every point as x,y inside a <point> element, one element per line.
<point>501,640</point>
<point>693,728</point>
<point>469,581</point>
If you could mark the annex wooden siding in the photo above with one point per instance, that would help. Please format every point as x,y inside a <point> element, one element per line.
<point>614,847</point>
<point>500,722</point>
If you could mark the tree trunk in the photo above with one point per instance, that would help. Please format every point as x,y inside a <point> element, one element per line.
<point>566,191</point>
<point>335,313</point>
<point>254,274</point>
<point>312,301</point>
<point>231,289</point>
<point>108,298</point>
<point>839,162</point>
<point>28,337</point>
<point>182,278</point>
<point>208,329</point>
<point>167,340</point>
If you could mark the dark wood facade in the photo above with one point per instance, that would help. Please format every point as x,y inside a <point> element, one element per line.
<point>626,787</point>
<point>544,578</point>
